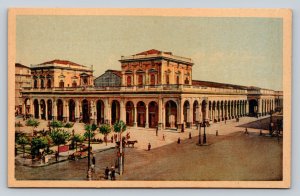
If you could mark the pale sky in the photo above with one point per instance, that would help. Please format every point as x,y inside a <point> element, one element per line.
<point>243,51</point>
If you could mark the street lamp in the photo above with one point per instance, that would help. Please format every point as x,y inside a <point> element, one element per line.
<point>204,134</point>
<point>199,127</point>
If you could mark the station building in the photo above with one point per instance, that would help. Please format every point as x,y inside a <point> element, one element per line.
<point>153,88</point>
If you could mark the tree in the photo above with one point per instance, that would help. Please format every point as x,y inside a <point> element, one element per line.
<point>68,125</point>
<point>23,141</point>
<point>38,143</point>
<point>120,127</point>
<point>59,137</point>
<point>89,131</point>
<point>32,123</point>
<point>88,134</point>
<point>56,124</point>
<point>105,130</point>
<point>77,138</point>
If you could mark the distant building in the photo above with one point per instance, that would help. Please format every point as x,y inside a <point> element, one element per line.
<point>110,78</point>
<point>22,79</point>
<point>152,89</point>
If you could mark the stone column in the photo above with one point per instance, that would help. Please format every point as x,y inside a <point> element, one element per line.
<point>135,117</point>
<point>54,113</point>
<point>24,108</point>
<point>122,111</point>
<point>92,111</point>
<point>39,108</point>
<point>180,112</point>
<point>259,105</point>
<point>160,113</point>
<point>65,111</point>
<point>206,112</point>
<point>46,110</point>
<point>77,112</point>
<point>147,117</point>
<point>190,115</point>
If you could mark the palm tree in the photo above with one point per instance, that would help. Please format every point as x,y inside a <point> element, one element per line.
<point>120,127</point>
<point>105,130</point>
<point>88,134</point>
<point>32,123</point>
<point>23,141</point>
<point>59,137</point>
<point>77,138</point>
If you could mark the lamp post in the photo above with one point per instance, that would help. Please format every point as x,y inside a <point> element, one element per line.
<point>199,127</point>
<point>204,134</point>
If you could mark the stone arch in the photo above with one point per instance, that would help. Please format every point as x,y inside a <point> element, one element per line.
<point>71,108</point>
<point>85,106</point>
<point>141,114</point>
<point>60,110</point>
<point>171,114</point>
<point>36,108</point>
<point>196,112</point>
<point>49,109</point>
<point>186,112</point>
<point>130,113</point>
<point>100,111</point>
<point>115,111</point>
<point>43,109</point>
<point>153,114</point>
<point>203,110</point>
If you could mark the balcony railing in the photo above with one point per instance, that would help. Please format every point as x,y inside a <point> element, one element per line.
<point>138,88</point>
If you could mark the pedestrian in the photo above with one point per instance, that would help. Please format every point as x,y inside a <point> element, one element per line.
<point>178,141</point>
<point>217,132</point>
<point>112,173</point>
<point>56,156</point>
<point>164,137</point>
<point>112,139</point>
<point>156,131</point>
<point>260,132</point>
<point>149,147</point>
<point>246,131</point>
<point>106,173</point>
<point>94,160</point>
<point>190,135</point>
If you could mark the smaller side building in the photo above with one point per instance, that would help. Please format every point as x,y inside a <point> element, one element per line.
<point>23,79</point>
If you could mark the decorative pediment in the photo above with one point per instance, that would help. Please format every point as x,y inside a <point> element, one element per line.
<point>128,72</point>
<point>74,77</point>
<point>84,75</point>
<point>48,76</point>
<point>41,76</point>
<point>152,70</point>
<point>61,76</point>
<point>140,71</point>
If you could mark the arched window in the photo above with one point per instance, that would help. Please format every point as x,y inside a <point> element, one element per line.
<point>35,83</point>
<point>140,80</point>
<point>61,84</point>
<point>152,79</point>
<point>85,81</point>
<point>128,80</point>
<point>186,81</point>
<point>42,83</point>
<point>177,79</point>
<point>49,83</point>
<point>74,84</point>
<point>167,79</point>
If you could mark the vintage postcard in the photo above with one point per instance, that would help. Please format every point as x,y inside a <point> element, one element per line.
<point>154,98</point>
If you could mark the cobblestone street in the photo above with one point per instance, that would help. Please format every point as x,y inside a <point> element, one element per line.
<point>232,155</point>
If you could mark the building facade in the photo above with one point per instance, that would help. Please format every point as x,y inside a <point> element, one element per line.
<point>22,80</point>
<point>156,90</point>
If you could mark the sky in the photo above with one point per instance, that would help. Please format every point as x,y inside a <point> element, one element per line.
<point>243,51</point>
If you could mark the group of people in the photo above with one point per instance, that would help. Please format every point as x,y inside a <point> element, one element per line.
<point>110,173</point>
